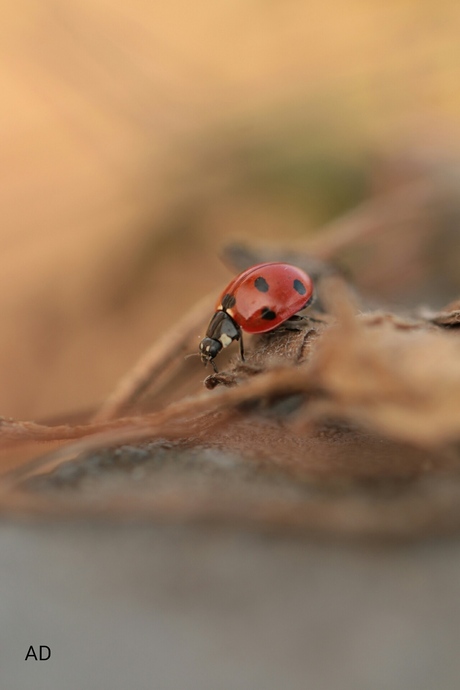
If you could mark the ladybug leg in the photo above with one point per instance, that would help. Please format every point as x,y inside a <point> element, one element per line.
<point>295,322</point>
<point>310,318</point>
<point>241,348</point>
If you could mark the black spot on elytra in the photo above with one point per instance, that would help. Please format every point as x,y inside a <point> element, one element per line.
<point>261,284</point>
<point>268,314</point>
<point>299,287</point>
<point>228,301</point>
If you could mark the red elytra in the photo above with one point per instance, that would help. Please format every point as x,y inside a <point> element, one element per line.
<point>258,300</point>
<point>278,293</point>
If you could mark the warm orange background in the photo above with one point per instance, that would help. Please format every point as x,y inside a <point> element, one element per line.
<point>137,138</point>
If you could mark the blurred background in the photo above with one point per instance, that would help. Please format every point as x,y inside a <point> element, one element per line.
<point>137,139</point>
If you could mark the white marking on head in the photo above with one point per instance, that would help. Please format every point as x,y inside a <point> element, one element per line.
<point>225,340</point>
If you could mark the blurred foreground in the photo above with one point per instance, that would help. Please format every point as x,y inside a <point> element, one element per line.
<point>174,607</point>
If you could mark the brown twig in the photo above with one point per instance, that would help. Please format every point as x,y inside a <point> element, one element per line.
<point>164,354</point>
<point>372,217</point>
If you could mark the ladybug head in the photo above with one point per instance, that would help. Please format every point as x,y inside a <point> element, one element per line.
<point>210,348</point>
<point>222,331</point>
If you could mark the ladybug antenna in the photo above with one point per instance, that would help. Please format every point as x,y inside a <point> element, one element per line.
<point>192,354</point>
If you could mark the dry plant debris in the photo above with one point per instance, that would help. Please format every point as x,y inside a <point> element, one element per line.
<point>347,426</point>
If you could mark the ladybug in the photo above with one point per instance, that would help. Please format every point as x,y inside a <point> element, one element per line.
<point>258,300</point>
